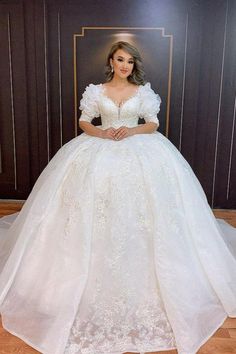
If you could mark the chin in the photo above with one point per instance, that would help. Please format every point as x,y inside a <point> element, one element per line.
<point>124,75</point>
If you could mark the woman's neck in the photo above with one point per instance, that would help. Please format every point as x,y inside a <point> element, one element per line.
<point>118,81</point>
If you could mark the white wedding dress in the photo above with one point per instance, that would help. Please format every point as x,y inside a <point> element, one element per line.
<point>116,248</point>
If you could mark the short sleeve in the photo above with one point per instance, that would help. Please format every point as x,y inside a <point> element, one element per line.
<point>150,104</point>
<point>89,104</point>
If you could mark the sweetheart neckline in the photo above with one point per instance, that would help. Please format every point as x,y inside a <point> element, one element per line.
<point>118,105</point>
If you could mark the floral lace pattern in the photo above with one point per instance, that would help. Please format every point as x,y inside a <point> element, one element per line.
<point>121,327</point>
<point>121,308</point>
<point>145,103</point>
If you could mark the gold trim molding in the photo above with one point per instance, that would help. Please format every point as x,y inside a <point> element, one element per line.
<point>82,34</point>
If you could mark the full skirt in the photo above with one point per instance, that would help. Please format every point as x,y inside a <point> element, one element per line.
<point>116,249</point>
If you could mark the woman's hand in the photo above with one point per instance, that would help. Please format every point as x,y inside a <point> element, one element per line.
<point>108,133</point>
<point>123,132</point>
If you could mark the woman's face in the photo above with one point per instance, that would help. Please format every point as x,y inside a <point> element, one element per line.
<point>122,63</point>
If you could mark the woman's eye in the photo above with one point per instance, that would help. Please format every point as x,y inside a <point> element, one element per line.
<point>130,62</point>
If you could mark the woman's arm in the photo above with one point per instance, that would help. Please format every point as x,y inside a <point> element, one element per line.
<point>91,129</point>
<point>145,128</point>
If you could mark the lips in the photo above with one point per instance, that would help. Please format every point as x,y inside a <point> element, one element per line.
<point>124,71</point>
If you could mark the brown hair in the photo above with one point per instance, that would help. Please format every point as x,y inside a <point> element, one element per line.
<point>137,76</point>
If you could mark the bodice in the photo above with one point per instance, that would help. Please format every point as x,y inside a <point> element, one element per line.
<point>144,103</point>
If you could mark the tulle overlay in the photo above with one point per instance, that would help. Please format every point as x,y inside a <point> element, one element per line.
<point>116,249</point>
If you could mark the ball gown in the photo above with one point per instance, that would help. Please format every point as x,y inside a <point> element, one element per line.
<point>116,248</point>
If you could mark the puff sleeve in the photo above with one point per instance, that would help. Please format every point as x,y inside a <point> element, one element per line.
<point>150,104</point>
<point>89,104</point>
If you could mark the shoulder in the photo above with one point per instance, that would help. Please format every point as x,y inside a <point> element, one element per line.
<point>92,87</point>
<point>89,100</point>
<point>148,93</point>
<point>91,90</point>
<point>90,94</point>
<point>146,87</point>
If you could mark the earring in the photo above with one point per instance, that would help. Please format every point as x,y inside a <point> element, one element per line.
<point>112,69</point>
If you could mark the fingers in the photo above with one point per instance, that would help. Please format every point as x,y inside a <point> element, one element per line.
<point>121,133</point>
<point>110,132</point>
<point>117,134</point>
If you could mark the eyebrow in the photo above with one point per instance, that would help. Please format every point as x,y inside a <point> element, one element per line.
<point>120,56</point>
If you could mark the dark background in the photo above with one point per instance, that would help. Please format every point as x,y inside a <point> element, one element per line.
<point>196,79</point>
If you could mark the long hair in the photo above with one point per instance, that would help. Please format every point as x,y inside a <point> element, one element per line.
<point>138,74</point>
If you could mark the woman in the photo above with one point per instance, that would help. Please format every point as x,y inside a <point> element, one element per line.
<point>116,249</point>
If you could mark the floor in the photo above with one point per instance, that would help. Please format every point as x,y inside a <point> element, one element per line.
<point>222,342</point>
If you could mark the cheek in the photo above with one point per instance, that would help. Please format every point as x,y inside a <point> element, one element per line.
<point>131,67</point>
<point>114,64</point>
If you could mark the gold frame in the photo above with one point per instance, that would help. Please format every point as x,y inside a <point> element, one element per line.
<point>82,34</point>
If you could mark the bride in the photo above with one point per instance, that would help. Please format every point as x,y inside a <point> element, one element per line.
<point>116,248</point>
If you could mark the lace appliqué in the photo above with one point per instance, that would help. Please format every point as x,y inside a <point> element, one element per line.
<point>121,327</point>
<point>144,103</point>
<point>119,311</point>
